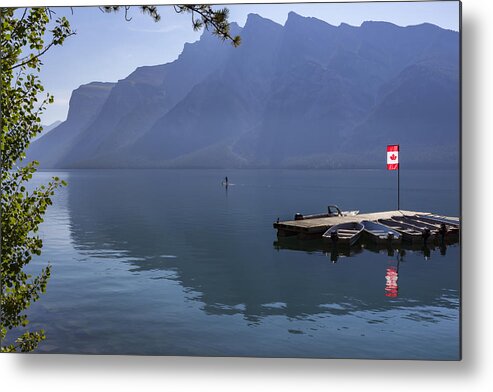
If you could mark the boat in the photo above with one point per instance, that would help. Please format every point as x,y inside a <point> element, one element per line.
<point>380,233</point>
<point>350,213</point>
<point>439,219</point>
<point>346,234</point>
<point>410,220</point>
<point>439,229</point>
<point>409,232</point>
<point>332,210</point>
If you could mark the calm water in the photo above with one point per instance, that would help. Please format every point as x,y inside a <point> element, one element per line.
<point>167,262</point>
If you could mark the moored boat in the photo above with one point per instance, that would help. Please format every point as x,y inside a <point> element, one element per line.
<point>409,232</point>
<point>381,234</point>
<point>331,211</point>
<point>346,234</point>
<point>439,229</point>
<point>441,219</point>
<point>417,223</point>
<point>438,219</point>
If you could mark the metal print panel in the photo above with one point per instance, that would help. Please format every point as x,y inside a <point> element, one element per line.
<point>261,180</point>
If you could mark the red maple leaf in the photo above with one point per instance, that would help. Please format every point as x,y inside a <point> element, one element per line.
<point>393,157</point>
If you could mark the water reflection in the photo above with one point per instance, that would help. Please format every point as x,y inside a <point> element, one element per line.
<point>223,253</point>
<point>334,253</point>
<point>391,278</point>
<point>318,245</point>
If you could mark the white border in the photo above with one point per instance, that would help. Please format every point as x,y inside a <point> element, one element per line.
<point>93,373</point>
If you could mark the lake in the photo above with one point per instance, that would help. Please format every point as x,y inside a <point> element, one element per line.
<point>169,262</point>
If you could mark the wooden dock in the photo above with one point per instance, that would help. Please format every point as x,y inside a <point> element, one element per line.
<point>314,228</point>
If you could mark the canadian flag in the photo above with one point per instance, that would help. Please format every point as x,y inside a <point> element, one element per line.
<point>393,157</point>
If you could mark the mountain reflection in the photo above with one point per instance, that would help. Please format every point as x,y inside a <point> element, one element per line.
<point>221,250</point>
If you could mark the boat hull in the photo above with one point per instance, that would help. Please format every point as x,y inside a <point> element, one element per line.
<point>344,234</point>
<point>409,233</point>
<point>381,234</point>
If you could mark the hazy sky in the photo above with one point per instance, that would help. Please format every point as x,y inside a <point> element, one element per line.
<point>107,48</point>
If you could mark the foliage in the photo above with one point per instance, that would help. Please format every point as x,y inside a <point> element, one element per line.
<point>25,36</point>
<point>203,16</point>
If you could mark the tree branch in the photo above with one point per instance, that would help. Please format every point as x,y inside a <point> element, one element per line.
<point>128,19</point>
<point>16,28</point>
<point>209,18</point>
<point>32,58</point>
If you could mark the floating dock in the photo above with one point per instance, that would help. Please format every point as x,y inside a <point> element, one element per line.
<point>315,227</point>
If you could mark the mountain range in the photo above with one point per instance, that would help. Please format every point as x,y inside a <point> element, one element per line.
<point>303,95</point>
<point>47,128</point>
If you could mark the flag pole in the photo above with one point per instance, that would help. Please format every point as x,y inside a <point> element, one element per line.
<point>398,186</point>
<point>393,164</point>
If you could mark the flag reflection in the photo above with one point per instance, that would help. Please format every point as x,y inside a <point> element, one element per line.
<point>391,286</point>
